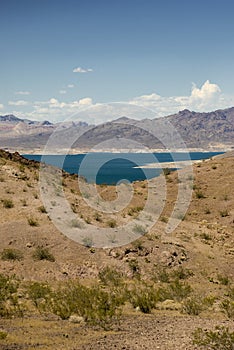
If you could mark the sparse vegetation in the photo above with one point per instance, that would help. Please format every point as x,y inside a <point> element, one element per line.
<point>7,203</point>
<point>112,223</point>
<point>87,241</point>
<point>199,194</point>
<point>42,253</point>
<point>218,339</point>
<point>224,213</point>
<point>11,254</point>
<point>139,229</point>
<point>33,222</point>
<point>192,306</point>
<point>42,209</point>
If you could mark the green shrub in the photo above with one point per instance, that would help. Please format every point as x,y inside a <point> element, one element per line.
<point>176,290</point>
<point>224,280</point>
<point>161,275</point>
<point>94,304</point>
<point>43,254</point>
<point>143,297</point>
<point>164,219</point>
<point>33,222</point>
<point>227,307</point>
<point>219,339</point>
<point>134,267</point>
<point>182,273</point>
<point>110,276</point>
<point>11,254</point>
<point>112,223</point>
<point>192,306</point>
<point>42,209</point>
<point>3,335</point>
<point>205,236</point>
<point>7,203</point>
<point>224,213</point>
<point>139,229</point>
<point>39,293</point>
<point>9,304</point>
<point>199,194</point>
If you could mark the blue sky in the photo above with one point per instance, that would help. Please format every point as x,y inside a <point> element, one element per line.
<point>59,56</point>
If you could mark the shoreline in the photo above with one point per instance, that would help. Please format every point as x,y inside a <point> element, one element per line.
<point>39,151</point>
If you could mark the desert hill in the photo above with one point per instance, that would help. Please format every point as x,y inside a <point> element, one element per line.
<point>213,130</point>
<point>191,271</point>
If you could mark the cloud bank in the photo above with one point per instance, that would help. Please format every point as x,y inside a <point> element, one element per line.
<point>207,98</point>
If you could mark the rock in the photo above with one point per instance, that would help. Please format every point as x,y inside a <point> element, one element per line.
<point>76,319</point>
<point>169,304</point>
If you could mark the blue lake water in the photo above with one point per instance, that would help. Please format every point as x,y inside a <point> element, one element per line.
<point>111,168</point>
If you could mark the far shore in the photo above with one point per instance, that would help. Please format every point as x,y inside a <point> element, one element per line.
<point>38,151</point>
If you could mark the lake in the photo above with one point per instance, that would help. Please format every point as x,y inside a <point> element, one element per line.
<point>112,168</point>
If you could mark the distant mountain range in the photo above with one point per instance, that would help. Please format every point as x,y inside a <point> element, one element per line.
<point>213,130</point>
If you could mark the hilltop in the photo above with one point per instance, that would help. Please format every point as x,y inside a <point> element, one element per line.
<point>195,263</point>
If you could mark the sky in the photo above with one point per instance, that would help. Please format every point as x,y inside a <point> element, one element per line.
<point>59,57</point>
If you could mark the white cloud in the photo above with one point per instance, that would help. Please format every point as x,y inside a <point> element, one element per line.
<point>1,106</point>
<point>62,92</point>
<point>70,86</point>
<point>81,70</point>
<point>22,93</point>
<point>18,103</point>
<point>206,98</point>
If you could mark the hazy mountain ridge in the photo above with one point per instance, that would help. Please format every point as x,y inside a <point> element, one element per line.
<point>198,130</point>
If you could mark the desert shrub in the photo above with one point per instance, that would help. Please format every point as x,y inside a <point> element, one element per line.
<point>9,303</point>
<point>139,229</point>
<point>33,222</point>
<point>95,305</point>
<point>3,335</point>
<point>11,254</point>
<point>181,273</point>
<point>88,220</point>
<point>41,253</point>
<point>164,219</point>
<point>143,297</point>
<point>76,223</point>
<point>167,171</point>
<point>42,209</point>
<point>112,223</point>
<point>199,194</point>
<point>176,290</point>
<point>227,307</point>
<point>135,210</point>
<point>134,267</point>
<point>205,236</point>
<point>7,203</point>
<point>39,293</point>
<point>224,213</point>
<point>161,275</point>
<point>219,339</point>
<point>138,245</point>
<point>192,306</point>
<point>110,276</point>
<point>224,280</point>
<point>87,241</point>
<point>98,217</point>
